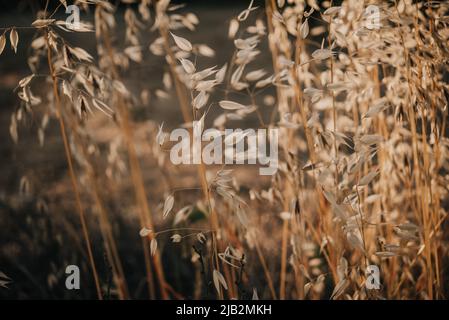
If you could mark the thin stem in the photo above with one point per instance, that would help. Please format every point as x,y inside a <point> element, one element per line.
<point>72,170</point>
<point>136,175</point>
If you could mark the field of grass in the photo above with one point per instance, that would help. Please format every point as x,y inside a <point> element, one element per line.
<point>358,92</point>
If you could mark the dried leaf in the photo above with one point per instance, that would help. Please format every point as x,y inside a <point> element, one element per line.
<point>304,29</point>
<point>322,54</point>
<point>204,74</point>
<point>285,215</point>
<point>81,54</point>
<point>408,226</point>
<point>3,284</point>
<point>14,39</point>
<point>4,276</point>
<point>198,126</point>
<point>67,89</point>
<point>331,11</point>
<point>206,85</point>
<point>168,205</point>
<point>278,17</point>
<point>200,100</point>
<point>182,43</point>
<point>231,105</point>
<point>40,23</point>
<point>338,86</point>
<point>233,28</point>
<point>188,66</point>
<point>235,78</point>
<point>120,87</point>
<point>2,43</point>
<point>255,295</point>
<point>370,139</point>
<point>219,77</point>
<point>219,279</point>
<point>375,109</point>
<point>339,289</point>
<point>405,234</point>
<point>385,254</point>
<point>13,129</point>
<point>255,75</point>
<point>153,246</point>
<point>206,51</point>
<point>307,287</point>
<point>38,43</point>
<point>264,82</point>
<point>134,53</point>
<point>342,268</point>
<point>144,232</point>
<point>368,178</point>
<point>25,81</point>
<point>103,107</point>
<point>166,80</point>
<point>41,136</point>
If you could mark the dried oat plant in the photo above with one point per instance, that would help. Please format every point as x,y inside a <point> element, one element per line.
<point>363,167</point>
